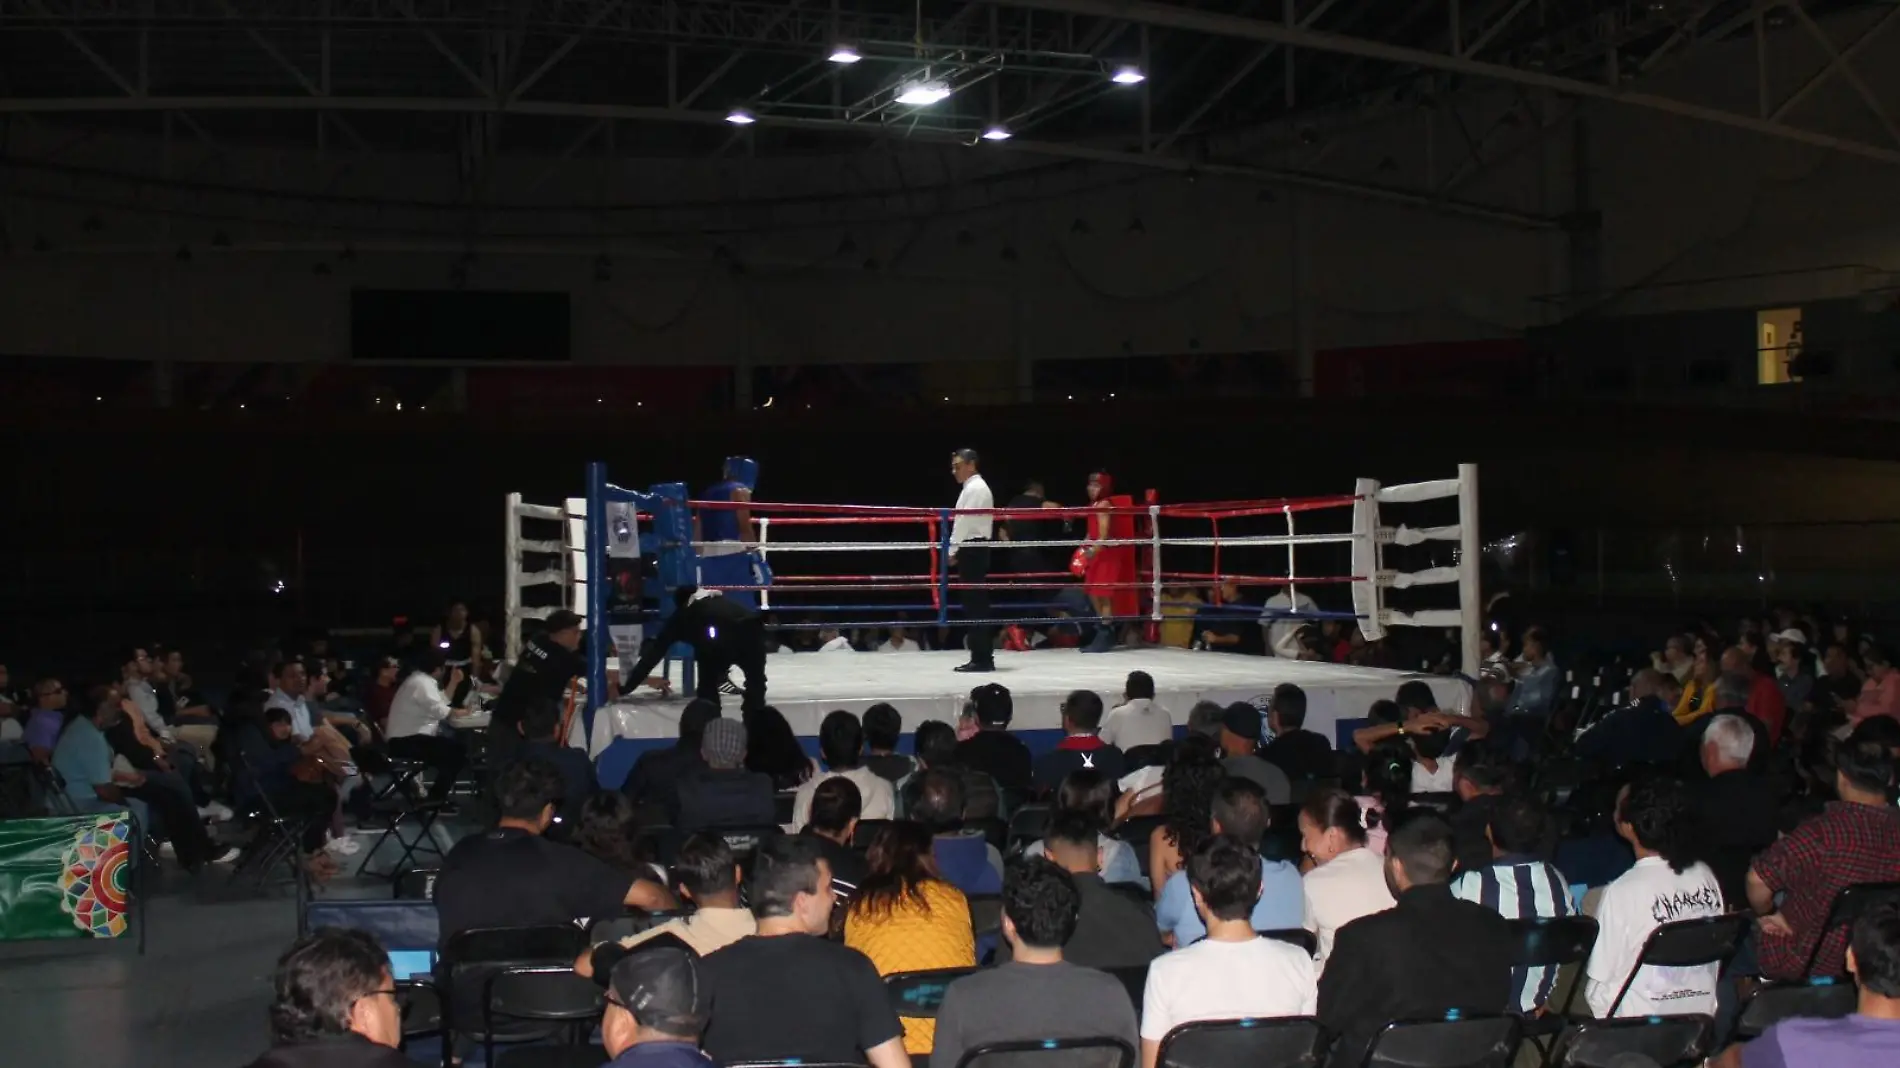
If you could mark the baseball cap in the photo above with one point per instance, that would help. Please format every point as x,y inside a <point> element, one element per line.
<point>660,988</point>
<point>1243,719</point>
<point>994,707</point>
<point>723,743</point>
<point>1792,634</point>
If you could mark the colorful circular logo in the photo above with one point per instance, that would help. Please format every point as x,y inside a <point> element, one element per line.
<point>95,877</point>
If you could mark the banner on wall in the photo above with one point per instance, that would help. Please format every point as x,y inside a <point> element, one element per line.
<point>65,876</point>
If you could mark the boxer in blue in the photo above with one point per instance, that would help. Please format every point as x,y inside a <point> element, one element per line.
<point>727,536</point>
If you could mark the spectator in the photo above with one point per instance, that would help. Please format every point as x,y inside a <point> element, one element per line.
<point>937,749</point>
<point>728,793</point>
<point>786,991</point>
<point>1674,659</point>
<point>1227,624</point>
<point>883,728</point>
<point>190,715</point>
<point>1082,747</point>
<point>1730,698</point>
<point>1233,972</point>
<point>841,743</point>
<point>1429,954</point>
<point>906,918</point>
<point>773,750</point>
<point>12,729</point>
<point>1668,883</point>
<point>549,661</point>
<point>267,752</point>
<point>290,688</point>
<point>416,716</point>
<point>1698,691</point>
<point>1239,741</point>
<point>1644,731</point>
<point>993,750</point>
<point>1736,807</point>
<point>1188,787</point>
<point>334,1005</point>
<point>834,821</point>
<point>1870,1036</point>
<point>46,720</point>
<point>458,642</point>
<point>1205,719</point>
<point>1113,929</point>
<point>1138,720</point>
<point>1239,811</point>
<point>1040,992</point>
<point>513,876</point>
<point>655,1011</point>
<point>1537,676</point>
<point>1305,756</point>
<point>1093,796</point>
<point>964,857</point>
<point>384,680</point>
<point>1519,885</point>
<point>830,641</point>
<point>604,827</point>
<point>654,781</point>
<point>705,874</point>
<point>1278,619</point>
<point>1479,784</point>
<point>1854,840</point>
<point>899,642</point>
<point>1764,697</point>
<point>1385,788</point>
<point>135,678</point>
<point>1880,694</point>
<point>1839,684</point>
<point>541,735</point>
<point>1347,880</point>
<point>1794,669</point>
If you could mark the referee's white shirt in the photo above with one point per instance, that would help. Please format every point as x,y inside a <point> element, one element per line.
<point>976,494</point>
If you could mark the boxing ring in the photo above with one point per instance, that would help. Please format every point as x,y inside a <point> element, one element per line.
<point>871,567</point>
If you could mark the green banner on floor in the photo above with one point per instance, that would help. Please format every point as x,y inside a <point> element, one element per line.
<point>65,877</point>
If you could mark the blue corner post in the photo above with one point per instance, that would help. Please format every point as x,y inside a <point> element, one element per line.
<point>677,564</point>
<point>600,642</point>
<point>944,519</point>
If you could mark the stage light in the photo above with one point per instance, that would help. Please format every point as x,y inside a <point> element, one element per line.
<point>922,94</point>
<point>996,133</point>
<point>1128,76</point>
<point>844,55</point>
<point>740,117</point>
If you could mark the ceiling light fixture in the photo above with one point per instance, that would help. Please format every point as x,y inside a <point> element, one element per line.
<point>996,132</point>
<point>922,94</point>
<point>1128,76</point>
<point>845,54</point>
<point>740,117</point>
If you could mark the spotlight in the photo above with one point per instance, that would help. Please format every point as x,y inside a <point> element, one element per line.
<point>922,94</point>
<point>740,117</point>
<point>1128,76</point>
<point>996,133</point>
<point>844,55</point>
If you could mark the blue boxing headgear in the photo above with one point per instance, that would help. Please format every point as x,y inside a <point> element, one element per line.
<point>744,470</point>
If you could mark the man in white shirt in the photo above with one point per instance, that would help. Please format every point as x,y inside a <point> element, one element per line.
<point>1138,721</point>
<point>1233,972</point>
<point>970,535</point>
<point>416,714</point>
<point>841,743</point>
<point>900,641</point>
<point>830,641</point>
<point>1283,633</point>
<point>1666,885</point>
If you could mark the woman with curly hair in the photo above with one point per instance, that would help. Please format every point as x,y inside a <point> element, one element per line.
<point>772,749</point>
<point>1187,788</point>
<point>906,918</point>
<point>1658,818</point>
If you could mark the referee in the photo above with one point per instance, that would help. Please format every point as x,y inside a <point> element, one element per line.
<point>970,555</point>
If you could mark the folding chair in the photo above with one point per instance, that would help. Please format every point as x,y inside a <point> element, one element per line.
<point>1134,980</point>
<point>1294,936</point>
<point>867,832</point>
<point>471,957</point>
<point>416,884</point>
<point>986,913</point>
<point>1552,943</point>
<point>615,928</point>
<point>1457,1041</point>
<point>1848,906</point>
<point>1029,824</point>
<point>526,1002</point>
<point>1103,1052</point>
<point>420,1009</point>
<point>276,840</point>
<point>1666,1040</point>
<point>1281,1042</point>
<point>744,840</point>
<point>918,995</point>
<point>1825,996</point>
<point>1684,944</point>
<point>396,808</point>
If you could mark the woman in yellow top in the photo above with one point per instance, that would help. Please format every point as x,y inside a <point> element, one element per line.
<point>907,919</point>
<point>1698,690</point>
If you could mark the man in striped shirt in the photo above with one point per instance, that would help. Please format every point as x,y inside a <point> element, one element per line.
<point>1520,885</point>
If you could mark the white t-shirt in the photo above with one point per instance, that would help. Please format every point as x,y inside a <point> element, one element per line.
<point>1340,891</point>
<point>1640,900</point>
<point>910,646</point>
<point>874,795</point>
<point>1427,781</point>
<point>840,644</point>
<point>1280,632</point>
<point>1212,980</point>
<point>418,706</point>
<point>1137,723</point>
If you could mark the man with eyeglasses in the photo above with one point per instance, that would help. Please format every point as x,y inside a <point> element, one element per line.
<point>334,1005</point>
<point>656,1007</point>
<point>48,717</point>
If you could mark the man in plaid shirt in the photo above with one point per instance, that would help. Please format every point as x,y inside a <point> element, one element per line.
<point>1856,840</point>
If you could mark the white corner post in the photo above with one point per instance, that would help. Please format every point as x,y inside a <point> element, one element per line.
<point>1470,554</point>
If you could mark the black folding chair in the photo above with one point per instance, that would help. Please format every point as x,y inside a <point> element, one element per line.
<point>1134,981</point>
<point>1666,1040</point>
<point>1553,943</point>
<point>1280,1042</point>
<point>615,928</point>
<point>1458,1041</point>
<point>1294,936</point>
<point>1685,944</point>
<point>1828,997</point>
<point>416,884</point>
<point>744,841</point>
<point>528,1002</point>
<point>867,832</point>
<point>1103,1052</point>
<point>1029,824</point>
<point>986,913</point>
<point>420,1009</point>
<point>396,807</point>
<point>471,957</point>
<point>783,807</point>
<point>918,995</point>
<point>274,840</point>
<point>1848,906</point>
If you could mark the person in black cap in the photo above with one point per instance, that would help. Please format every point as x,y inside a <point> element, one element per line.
<point>656,776</point>
<point>723,633</point>
<point>656,1008</point>
<point>992,749</point>
<point>1239,737</point>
